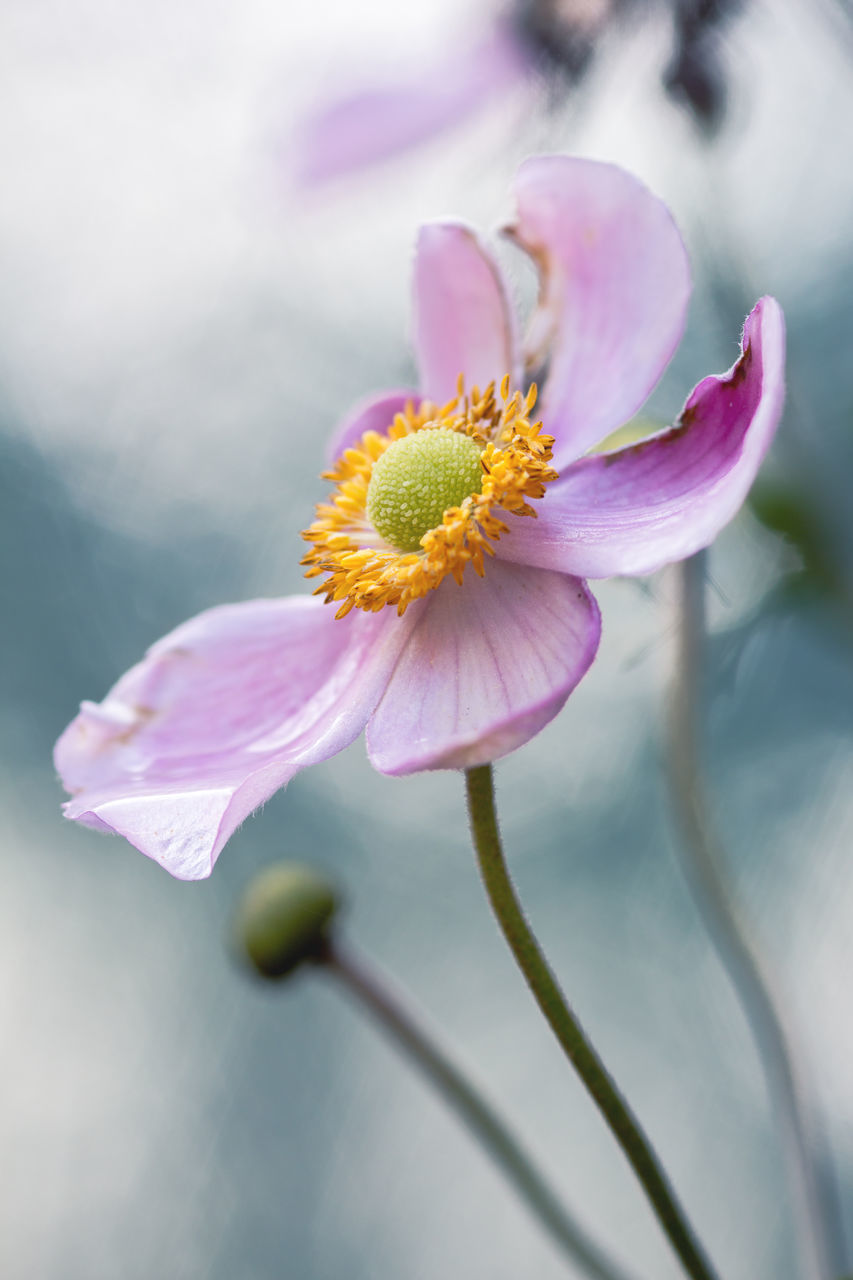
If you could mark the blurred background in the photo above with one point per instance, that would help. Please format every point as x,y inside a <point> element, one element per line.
<point>182,322</point>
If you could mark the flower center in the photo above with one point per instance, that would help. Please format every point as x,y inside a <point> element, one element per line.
<point>427,497</point>
<point>417,479</point>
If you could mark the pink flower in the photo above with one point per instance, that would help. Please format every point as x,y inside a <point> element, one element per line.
<point>542,45</point>
<point>494,624</point>
<point>371,125</point>
<point>537,45</point>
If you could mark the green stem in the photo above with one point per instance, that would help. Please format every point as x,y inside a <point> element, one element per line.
<point>704,868</point>
<point>567,1029</point>
<point>373,991</point>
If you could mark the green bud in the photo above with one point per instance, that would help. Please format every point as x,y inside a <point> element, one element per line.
<point>415,481</point>
<point>284,917</point>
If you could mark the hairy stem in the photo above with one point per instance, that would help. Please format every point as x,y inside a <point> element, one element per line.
<point>567,1029</point>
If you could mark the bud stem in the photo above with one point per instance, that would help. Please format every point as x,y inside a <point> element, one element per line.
<point>571,1036</point>
<point>363,980</point>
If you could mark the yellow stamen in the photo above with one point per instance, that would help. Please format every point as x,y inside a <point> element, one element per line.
<point>366,572</point>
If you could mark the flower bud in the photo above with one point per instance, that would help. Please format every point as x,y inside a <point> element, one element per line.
<point>284,917</point>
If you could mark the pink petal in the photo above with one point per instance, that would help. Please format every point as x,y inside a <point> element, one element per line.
<point>365,128</point>
<point>374,413</point>
<point>632,511</point>
<point>463,319</point>
<point>219,715</point>
<point>614,285</point>
<point>487,665</point>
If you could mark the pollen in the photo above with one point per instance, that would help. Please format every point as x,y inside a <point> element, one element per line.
<point>427,497</point>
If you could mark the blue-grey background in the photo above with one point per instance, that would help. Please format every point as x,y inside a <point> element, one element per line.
<point>179,331</point>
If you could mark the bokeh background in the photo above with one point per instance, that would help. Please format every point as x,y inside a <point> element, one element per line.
<point>181,325</point>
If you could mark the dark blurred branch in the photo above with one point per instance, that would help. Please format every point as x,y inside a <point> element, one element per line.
<point>696,74</point>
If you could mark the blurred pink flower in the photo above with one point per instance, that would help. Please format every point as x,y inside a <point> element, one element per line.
<point>361,127</point>
<point>543,44</point>
<point>470,664</point>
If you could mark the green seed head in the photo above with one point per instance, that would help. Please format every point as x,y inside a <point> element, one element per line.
<point>416,479</point>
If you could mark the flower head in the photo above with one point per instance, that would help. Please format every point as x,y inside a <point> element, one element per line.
<point>451,619</point>
<point>427,498</point>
